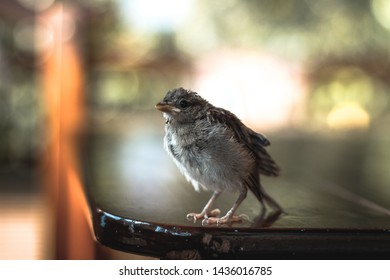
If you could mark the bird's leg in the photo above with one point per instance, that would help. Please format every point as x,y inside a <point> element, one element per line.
<point>229,217</point>
<point>206,210</point>
<point>272,202</point>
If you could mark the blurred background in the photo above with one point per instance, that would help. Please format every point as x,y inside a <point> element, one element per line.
<point>299,71</point>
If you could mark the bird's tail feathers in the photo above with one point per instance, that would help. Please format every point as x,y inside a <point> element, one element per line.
<point>267,166</point>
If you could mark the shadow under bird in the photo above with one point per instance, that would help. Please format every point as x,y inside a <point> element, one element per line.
<point>215,151</point>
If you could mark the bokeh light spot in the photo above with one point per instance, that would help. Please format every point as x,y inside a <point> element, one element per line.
<point>381,10</point>
<point>348,116</point>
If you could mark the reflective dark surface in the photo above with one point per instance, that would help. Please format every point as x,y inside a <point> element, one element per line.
<point>139,200</point>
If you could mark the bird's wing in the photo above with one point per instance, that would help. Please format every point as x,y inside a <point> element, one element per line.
<point>228,119</point>
<point>255,142</point>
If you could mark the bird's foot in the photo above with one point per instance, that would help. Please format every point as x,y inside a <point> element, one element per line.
<point>197,216</point>
<point>225,220</point>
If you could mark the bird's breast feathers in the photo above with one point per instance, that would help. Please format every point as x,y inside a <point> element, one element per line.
<point>205,162</point>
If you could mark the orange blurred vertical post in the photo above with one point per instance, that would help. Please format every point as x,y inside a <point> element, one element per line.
<point>63,87</point>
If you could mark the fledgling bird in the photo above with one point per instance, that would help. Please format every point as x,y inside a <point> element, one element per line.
<point>215,151</point>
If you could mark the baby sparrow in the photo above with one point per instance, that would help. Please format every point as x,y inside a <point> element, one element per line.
<point>216,151</point>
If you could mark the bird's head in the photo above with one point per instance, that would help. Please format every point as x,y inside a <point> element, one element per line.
<point>182,105</point>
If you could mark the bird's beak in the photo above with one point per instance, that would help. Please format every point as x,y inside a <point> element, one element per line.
<point>163,106</point>
<point>166,107</point>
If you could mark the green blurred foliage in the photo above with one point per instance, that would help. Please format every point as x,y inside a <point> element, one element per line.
<point>341,45</point>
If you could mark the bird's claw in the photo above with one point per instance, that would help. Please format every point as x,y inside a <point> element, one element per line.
<point>193,217</point>
<point>225,220</point>
<point>197,216</point>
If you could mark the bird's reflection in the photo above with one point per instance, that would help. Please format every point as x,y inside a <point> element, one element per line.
<point>265,219</point>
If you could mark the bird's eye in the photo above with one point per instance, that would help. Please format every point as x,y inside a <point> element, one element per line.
<point>184,103</point>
